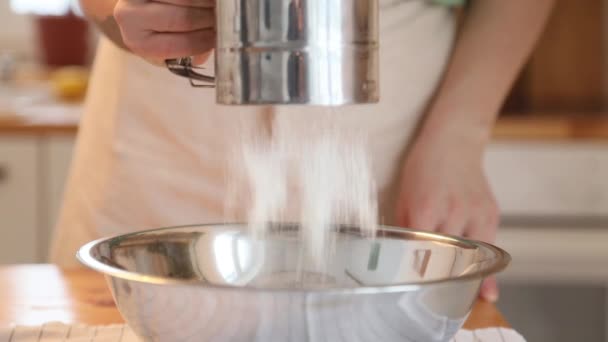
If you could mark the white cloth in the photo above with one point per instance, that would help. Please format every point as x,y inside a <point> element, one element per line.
<point>153,152</point>
<point>57,332</point>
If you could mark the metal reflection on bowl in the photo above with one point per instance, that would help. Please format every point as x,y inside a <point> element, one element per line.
<point>217,283</point>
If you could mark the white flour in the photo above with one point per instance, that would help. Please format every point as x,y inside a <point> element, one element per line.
<point>317,178</point>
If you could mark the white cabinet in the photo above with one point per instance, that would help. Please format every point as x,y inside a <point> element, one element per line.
<point>549,178</point>
<point>556,288</point>
<point>33,169</point>
<point>19,200</point>
<point>554,198</point>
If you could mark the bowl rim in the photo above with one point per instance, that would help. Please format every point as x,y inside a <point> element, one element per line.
<point>501,260</point>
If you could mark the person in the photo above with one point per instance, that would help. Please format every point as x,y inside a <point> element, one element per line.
<point>152,151</point>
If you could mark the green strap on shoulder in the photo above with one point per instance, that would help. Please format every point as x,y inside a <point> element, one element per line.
<point>450,2</point>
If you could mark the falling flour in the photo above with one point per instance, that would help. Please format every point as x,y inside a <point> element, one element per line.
<point>318,178</point>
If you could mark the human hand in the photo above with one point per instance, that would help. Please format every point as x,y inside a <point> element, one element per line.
<point>164,29</point>
<point>444,189</point>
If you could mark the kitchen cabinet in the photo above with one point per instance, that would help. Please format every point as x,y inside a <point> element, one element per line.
<point>567,71</point>
<point>556,289</point>
<point>19,200</point>
<point>554,198</point>
<point>556,312</point>
<point>551,181</point>
<point>549,178</point>
<point>33,169</point>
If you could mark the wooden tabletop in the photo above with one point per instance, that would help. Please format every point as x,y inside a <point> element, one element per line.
<point>12,124</point>
<point>533,126</point>
<point>553,127</point>
<point>34,295</point>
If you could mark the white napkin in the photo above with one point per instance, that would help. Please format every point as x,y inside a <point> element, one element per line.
<point>58,332</point>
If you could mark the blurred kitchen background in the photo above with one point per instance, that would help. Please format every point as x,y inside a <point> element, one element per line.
<point>548,163</point>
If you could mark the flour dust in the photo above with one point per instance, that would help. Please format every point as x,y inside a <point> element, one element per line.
<point>312,173</point>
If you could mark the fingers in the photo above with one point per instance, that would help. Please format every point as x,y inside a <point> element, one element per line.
<point>168,18</point>
<point>183,3</point>
<point>159,62</point>
<point>158,30</point>
<point>489,290</point>
<point>422,214</point>
<point>456,220</point>
<point>200,59</point>
<point>176,45</point>
<point>476,218</point>
<point>190,3</point>
<point>160,17</point>
<point>401,215</point>
<point>484,223</point>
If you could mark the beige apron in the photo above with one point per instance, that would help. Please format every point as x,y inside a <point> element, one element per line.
<point>153,152</point>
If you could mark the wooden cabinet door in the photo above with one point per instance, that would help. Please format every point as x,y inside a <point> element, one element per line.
<point>19,200</point>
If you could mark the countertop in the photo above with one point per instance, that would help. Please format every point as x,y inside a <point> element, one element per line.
<point>53,116</point>
<point>35,110</point>
<point>12,125</point>
<point>551,127</point>
<point>37,294</point>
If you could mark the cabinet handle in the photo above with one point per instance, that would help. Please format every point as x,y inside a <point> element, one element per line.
<point>3,173</point>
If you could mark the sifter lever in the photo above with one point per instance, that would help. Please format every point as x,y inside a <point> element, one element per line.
<point>183,67</point>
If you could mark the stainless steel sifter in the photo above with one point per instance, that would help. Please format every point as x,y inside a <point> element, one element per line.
<point>311,52</point>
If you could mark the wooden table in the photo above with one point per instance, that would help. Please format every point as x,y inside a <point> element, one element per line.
<point>34,295</point>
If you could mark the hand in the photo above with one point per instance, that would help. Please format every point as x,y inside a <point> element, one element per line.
<point>163,29</point>
<point>444,189</point>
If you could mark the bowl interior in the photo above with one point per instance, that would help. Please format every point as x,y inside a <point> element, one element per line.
<point>226,255</point>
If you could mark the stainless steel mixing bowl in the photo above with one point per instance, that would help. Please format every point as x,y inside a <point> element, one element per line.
<point>216,283</point>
